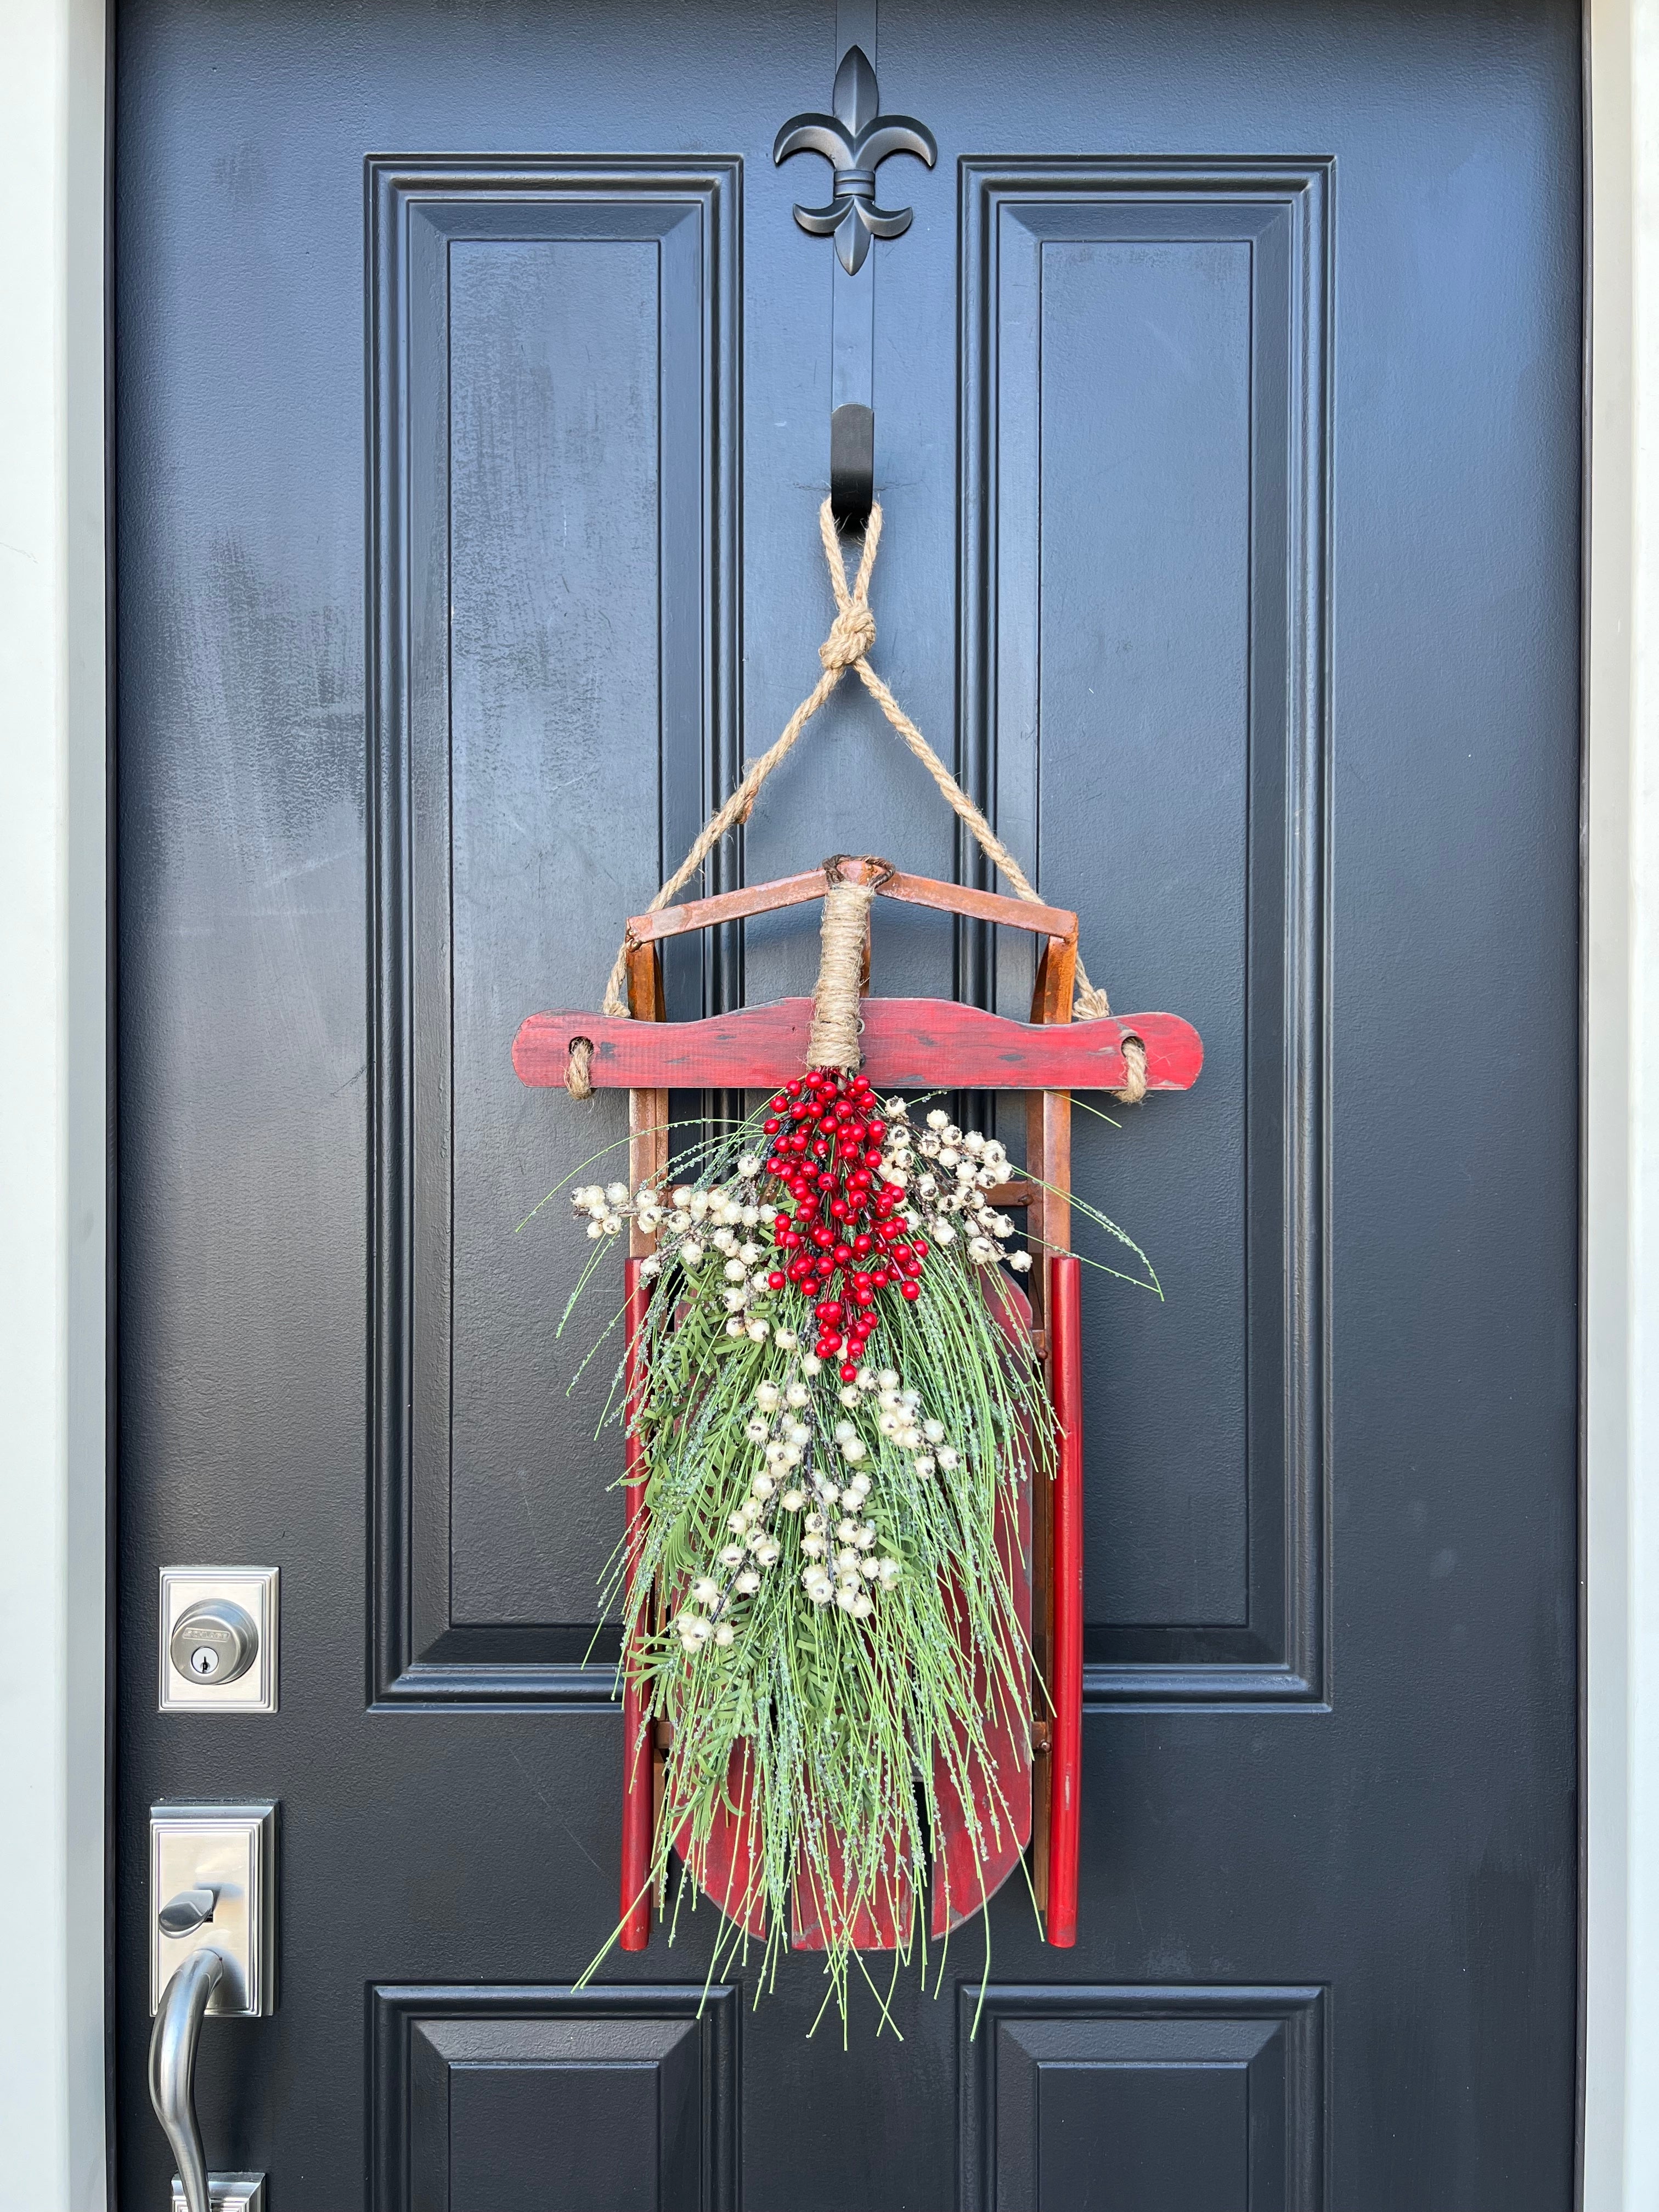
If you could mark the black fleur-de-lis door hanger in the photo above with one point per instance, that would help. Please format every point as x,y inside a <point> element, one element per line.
<point>855,140</point>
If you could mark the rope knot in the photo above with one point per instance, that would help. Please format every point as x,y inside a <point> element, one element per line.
<point>845,907</point>
<point>852,634</point>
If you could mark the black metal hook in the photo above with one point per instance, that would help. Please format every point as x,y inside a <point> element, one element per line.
<point>852,466</point>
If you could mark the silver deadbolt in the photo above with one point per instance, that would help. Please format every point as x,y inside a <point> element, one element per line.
<point>214,1640</point>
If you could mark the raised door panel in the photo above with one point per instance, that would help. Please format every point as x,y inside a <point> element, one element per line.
<point>1142,2099</point>
<point>1145,359</point>
<point>507,2100</point>
<point>554,357</point>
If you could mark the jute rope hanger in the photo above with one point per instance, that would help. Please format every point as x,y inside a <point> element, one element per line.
<point>852,634</point>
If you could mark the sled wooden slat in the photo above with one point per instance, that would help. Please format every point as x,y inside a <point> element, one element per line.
<point>922,1043</point>
<point>647,1109</point>
<point>802,890</point>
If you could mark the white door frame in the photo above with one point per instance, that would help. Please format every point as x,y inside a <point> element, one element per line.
<point>1620,1320</point>
<point>55,1130</point>
<point>53,1116</point>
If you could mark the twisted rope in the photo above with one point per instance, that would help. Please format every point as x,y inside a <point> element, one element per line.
<point>852,634</point>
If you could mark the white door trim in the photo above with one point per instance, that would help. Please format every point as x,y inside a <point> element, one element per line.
<point>54,1120</point>
<point>54,1131</point>
<point>1621,1126</point>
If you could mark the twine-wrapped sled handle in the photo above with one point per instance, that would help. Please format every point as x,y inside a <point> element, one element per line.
<point>834,1039</point>
<point>852,634</point>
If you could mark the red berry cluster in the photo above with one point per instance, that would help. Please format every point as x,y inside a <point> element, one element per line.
<point>825,1134</point>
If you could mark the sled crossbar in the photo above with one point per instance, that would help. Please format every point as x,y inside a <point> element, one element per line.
<point>924,1043</point>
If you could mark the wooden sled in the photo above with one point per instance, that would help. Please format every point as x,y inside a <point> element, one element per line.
<point>1031,1798</point>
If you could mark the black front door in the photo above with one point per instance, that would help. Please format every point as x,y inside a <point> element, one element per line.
<point>474,384</point>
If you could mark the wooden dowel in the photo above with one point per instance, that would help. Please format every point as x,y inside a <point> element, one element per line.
<point>647,1109</point>
<point>1018,1191</point>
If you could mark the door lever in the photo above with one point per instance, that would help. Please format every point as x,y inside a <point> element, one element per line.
<point>212,1874</point>
<point>190,1910</point>
<point>173,2044</point>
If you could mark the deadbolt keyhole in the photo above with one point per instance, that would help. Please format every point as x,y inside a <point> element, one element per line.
<point>214,1640</point>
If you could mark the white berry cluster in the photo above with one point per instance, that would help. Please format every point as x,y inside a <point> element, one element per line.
<point>810,1463</point>
<point>777,1427</point>
<point>843,1564</point>
<point>945,1173</point>
<point>839,1541</point>
<point>900,1419</point>
<point>606,1205</point>
<point>699,1228</point>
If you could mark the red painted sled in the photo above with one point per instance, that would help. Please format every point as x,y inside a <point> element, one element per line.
<point>1031,1798</point>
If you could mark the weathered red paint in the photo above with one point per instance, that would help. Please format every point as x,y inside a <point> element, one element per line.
<point>1065,1338</point>
<point>922,1043</point>
<point>726,1866</point>
<point>969,1868</point>
<point>637,1748</point>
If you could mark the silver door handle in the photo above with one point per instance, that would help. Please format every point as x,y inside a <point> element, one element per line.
<point>212,1949</point>
<point>172,2067</point>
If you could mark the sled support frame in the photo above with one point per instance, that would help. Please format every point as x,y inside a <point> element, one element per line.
<point>1052,1285</point>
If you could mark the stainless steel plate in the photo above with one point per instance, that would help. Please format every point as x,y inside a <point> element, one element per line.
<point>231,1849</point>
<point>254,1590</point>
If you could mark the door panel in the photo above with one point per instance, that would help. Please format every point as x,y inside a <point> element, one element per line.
<point>1210,2097</point>
<point>1154,704</point>
<point>473,384</point>
<point>511,2100</point>
<point>554,371</point>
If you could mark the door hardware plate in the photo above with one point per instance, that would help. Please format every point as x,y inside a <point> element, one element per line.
<point>253,1591</point>
<point>227,2192</point>
<point>231,1849</point>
